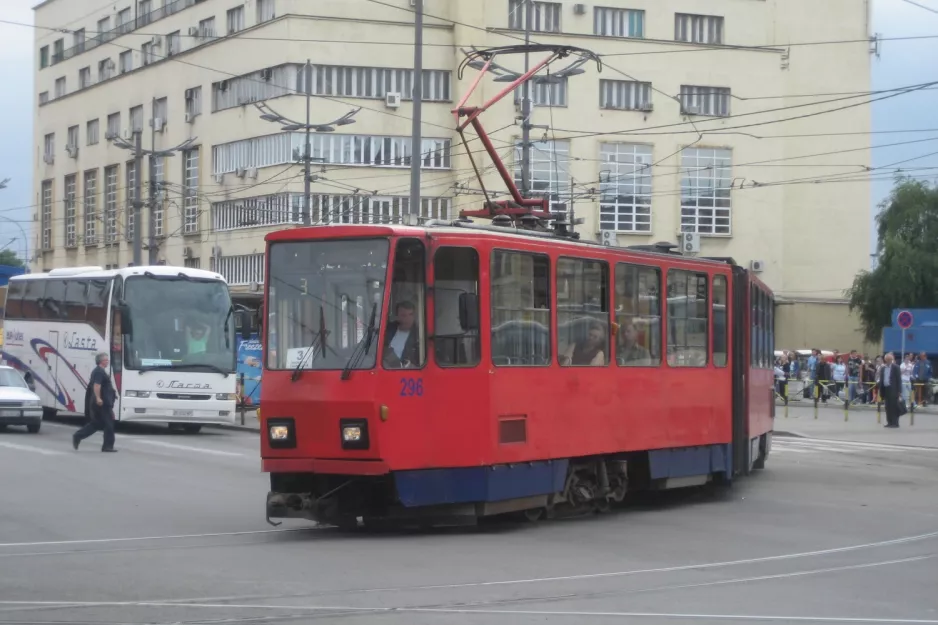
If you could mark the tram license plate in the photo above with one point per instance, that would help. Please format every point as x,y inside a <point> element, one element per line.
<point>182,413</point>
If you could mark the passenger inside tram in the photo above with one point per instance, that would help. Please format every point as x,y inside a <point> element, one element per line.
<point>587,352</point>
<point>631,353</point>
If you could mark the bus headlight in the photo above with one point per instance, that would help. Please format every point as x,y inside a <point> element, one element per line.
<point>354,433</point>
<point>226,397</point>
<point>140,394</point>
<point>281,433</point>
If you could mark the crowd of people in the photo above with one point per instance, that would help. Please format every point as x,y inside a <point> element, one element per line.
<point>851,377</point>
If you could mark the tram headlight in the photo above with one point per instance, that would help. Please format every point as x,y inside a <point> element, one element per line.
<point>281,433</point>
<point>354,433</point>
<point>351,434</point>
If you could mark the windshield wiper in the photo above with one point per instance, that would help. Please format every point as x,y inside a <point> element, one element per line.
<point>227,317</point>
<point>363,346</point>
<point>183,367</point>
<point>319,338</point>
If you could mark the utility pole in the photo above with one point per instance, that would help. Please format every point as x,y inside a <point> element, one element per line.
<point>416,158</point>
<point>288,125</point>
<point>526,105</point>
<point>137,148</point>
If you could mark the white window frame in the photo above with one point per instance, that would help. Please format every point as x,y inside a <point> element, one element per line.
<point>328,209</point>
<point>113,124</point>
<point>158,212</point>
<point>46,215</point>
<point>84,77</point>
<point>60,87</point>
<point>125,61</point>
<point>190,170</point>
<point>707,101</point>
<point>130,194</point>
<point>616,22</point>
<point>374,83</point>
<point>550,171</point>
<point>136,118</point>
<point>240,270</point>
<point>111,173</point>
<point>48,146</point>
<point>702,29</point>
<point>92,132</point>
<point>706,181</point>
<point>234,20</point>
<point>266,11</point>
<point>160,109</point>
<point>546,18</point>
<point>625,187</point>
<point>90,202</point>
<point>546,93</point>
<point>625,95</point>
<point>194,103</point>
<point>207,28</point>
<point>173,43</point>
<point>72,137</point>
<point>70,201</point>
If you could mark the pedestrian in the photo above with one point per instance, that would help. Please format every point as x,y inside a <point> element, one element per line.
<point>839,373</point>
<point>907,367</point>
<point>99,405</point>
<point>824,375</point>
<point>854,368</point>
<point>921,377</point>
<point>890,384</point>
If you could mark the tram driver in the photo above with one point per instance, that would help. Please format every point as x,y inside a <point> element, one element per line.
<point>401,340</point>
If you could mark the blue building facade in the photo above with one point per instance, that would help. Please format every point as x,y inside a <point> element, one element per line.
<point>921,337</point>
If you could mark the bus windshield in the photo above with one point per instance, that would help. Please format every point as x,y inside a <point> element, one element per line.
<point>322,297</point>
<point>179,322</point>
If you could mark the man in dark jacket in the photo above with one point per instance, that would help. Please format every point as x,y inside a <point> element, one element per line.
<point>824,376</point>
<point>99,405</point>
<point>890,388</point>
<point>402,338</point>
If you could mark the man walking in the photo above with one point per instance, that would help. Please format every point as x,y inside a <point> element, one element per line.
<point>890,388</point>
<point>99,406</point>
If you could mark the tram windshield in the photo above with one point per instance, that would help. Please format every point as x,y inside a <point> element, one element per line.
<point>322,296</point>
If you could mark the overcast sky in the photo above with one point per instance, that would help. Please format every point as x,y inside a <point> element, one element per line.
<point>900,63</point>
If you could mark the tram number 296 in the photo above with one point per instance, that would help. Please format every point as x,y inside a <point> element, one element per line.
<point>411,387</point>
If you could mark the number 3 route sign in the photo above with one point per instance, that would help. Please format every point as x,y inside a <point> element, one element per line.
<point>904,319</point>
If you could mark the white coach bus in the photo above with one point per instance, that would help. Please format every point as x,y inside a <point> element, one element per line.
<point>169,332</point>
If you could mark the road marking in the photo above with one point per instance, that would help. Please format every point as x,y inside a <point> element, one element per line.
<point>825,441</point>
<point>35,450</point>
<point>92,541</point>
<point>200,450</point>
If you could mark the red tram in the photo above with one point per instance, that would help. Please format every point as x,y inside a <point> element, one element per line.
<point>457,370</point>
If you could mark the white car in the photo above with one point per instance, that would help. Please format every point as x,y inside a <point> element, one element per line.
<point>18,404</point>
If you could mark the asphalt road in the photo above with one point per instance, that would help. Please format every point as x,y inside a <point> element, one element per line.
<point>171,530</point>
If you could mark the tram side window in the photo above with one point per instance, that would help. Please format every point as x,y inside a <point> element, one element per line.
<point>13,309</point>
<point>456,307</point>
<point>719,321</point>
<point>687,319</point>
<point>405,336</point>
<point>52,304</point>
<point>638,315</point>
<point>770,327</point>
<point>520,309</point>
<point>582,312</point>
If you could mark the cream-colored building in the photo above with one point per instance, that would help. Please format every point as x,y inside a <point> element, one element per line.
<point>708,116</point>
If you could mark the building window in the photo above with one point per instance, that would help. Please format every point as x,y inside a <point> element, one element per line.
<point>190,224</point>
<point>136,118</point>
<point>60,87</point>
<point>158,205</point>
<point>46,225</point>
<point>125,23</point>
<point>354,209</point>
<point>105,69</point>
<point>712,101</point>
<point>44,97</point>
<point>72,138</point>
<point>91,132</point>
<point>192,263</point>
<point>705,191</point>
<point>638,314</point>
<point>240,270</point>
<point>545,17</point>
<point>520,287</point>
<point>113,126</point>
<point>354,150</point>
<point>687,319</point>
<point>43,57</point>
<point>110,204</point>
<point>58,51</point>
<point>549,175</point>
<point>207,28</point>
<point>625,95</point>
<point>146,53</point>
<point>173,43</point>
<point>235,20</point>
<point>582,313</point>
<point>104,27</point>
<point>71,234</point>
<point>84,78</point>
<point>266,11</point>
<point>78,40</point>
<point>698,28</point>
<point>48,148</point>
<point>608,22</point>
<point>144,7</point>
<point>193,103</point>
<point>126,61</point>
<point>160,109</point>
<point>545,93</point>
<point>130,191</point>
<point>625,187</point>
<point>720,329</point>
<point>373,82</point>
<point>91,205</point>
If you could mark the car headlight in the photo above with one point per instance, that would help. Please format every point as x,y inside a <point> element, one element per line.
<point>32,403</point>
<point>140,394</point>
<point>226,397</point>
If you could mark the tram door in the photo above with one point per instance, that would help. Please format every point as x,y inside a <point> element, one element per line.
<point>740,366</point>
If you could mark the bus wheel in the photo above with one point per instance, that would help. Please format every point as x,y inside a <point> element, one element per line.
<point>33,428</point>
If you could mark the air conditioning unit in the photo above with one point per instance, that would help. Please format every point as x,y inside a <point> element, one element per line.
<point>128,134</point>
<point>216,251</point>
<point>219,178</point>
<point>267,74</point>
<point>157,124</point>
<point>193,31</point>
<point>48,159</point>
<point>252,173</point>
<point>156,41</point>
<point>757,266</point>
<point>223,85</point>
<point>187,252</point>
<point>392,100</point>
<point>240,173</point>
<point>72,150</point>
<point>609,238</point>
<point>110,135</point>
<point>690,243</point>
<point>579,9</point>
<point>190,118</point>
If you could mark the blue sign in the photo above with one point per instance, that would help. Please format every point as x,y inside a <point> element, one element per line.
<point>904,319</point>
<point>250,354</point>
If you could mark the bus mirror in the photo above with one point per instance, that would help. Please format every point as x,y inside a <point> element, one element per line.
<point>127,326</point>
<point>469,311</point>
<point>259,319</point>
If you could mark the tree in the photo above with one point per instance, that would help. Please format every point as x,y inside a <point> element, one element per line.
<point>906,275</point>
<point>10,259</point>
